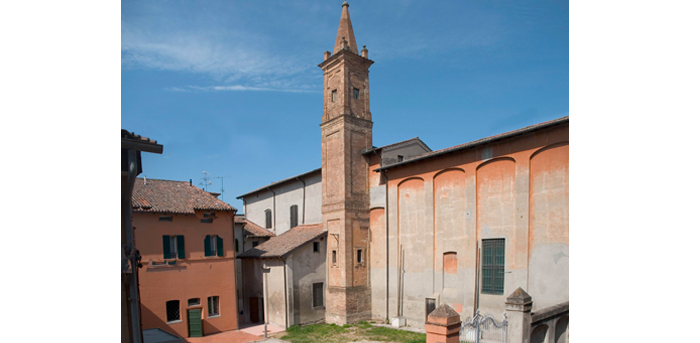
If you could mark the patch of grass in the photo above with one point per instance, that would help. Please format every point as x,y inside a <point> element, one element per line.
<point>393,335</point>
<point>331,333</point>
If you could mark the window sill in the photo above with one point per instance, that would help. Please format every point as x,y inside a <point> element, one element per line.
<point>214,316</point>
<point>174,322</point>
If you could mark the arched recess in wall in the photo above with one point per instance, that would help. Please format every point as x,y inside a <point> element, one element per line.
<point>561,329</point>
<point>495,198</point>
<point>449,212</point>
<point>539,334</point>
<point>377,231</point>
<point>414,235</point>
<point>548,223</point>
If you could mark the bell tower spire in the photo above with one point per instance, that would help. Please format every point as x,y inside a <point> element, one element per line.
<point>345,32</point>
<point>346,130</point>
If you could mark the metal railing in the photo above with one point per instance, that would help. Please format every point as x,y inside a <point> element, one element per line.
<point>483,329</point>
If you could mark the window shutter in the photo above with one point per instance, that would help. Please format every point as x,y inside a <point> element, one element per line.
<point>294,216</point>
<point>181,247</point>
<point>207,244</point>
<point>219,246</point>
<point>166,246</point>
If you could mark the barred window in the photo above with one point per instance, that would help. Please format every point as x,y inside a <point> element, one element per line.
<point>172,309</point>
<point>213,305</point>
<point>318,294</point>
<point>492,265</point>
<point>193,302</point>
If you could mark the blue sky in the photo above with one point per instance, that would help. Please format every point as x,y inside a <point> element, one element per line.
<point>233,88</point>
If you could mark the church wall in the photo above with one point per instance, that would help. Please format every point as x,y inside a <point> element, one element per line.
<point>549,216</point>
<point>286,195</point>
<point>448,204</point>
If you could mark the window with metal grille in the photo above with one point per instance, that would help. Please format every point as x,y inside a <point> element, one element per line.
<point>172,310</point>
<point>165,218</point>
<point>355,93</point>
<point>173,247</point>
<point>268,219</point>
<point>207,220</point>
<point>318,294</point>
<point>293,216</point>
<point>492,265</point>
<point>213,305</point>
<point>193,302</point>
<point>213,245</point>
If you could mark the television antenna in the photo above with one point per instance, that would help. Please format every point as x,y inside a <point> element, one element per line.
<point>206,181</point>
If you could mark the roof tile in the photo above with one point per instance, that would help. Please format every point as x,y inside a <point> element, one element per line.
<point>287,242</point>
<point>165,196</point>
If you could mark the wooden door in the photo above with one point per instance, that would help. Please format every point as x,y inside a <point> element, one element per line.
<point>254,310</point>
<point>194,320</point>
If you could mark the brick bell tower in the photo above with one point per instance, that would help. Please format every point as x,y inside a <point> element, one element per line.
<point>346,129</point>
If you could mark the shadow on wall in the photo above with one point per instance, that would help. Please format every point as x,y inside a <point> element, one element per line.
<point>152,320</point>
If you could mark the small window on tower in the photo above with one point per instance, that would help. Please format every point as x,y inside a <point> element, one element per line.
<point>334,258</point>
<point>334,95</point>
<point>355,93</point>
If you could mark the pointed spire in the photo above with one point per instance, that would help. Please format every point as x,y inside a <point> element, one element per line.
<point>345,32</point>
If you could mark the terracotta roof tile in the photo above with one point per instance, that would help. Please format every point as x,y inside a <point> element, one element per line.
<point>165,196</point>
<point>255,230</point>
<point>287,242</point>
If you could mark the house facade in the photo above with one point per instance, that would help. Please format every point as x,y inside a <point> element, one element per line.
<point>285,277</point>
<point>186,239</point>
<point>410,228</point>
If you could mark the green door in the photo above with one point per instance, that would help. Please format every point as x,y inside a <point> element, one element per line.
<point>194,318</point>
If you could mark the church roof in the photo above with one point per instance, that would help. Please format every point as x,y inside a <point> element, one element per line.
<point>286,243</point>
<point>277,183</point>
<point>345,30</point>
<point>165,196</point>
<point>396,145</point>
<point>478,142</point>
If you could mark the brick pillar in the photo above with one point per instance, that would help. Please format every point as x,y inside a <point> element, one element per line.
<point>443,325</point>
<point>518,309</point>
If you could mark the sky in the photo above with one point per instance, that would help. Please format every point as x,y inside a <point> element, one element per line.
<point>233,88</point>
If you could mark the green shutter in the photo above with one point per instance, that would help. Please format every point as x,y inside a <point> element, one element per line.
<point>207,244</point>
<point>166,246</point>
<point>181,247</point>
<point>219,246</point>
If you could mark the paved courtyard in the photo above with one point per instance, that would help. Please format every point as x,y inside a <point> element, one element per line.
<point>244,335</point>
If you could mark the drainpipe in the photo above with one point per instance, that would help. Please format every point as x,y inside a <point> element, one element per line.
<point>303,201</point>
<point>131,249</point>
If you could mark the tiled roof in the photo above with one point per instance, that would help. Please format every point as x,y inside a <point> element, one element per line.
<point>254,229</point>
<point>287,242</point>
<point>277,183</point>
<point>165,196</point>
<point>477,142</point>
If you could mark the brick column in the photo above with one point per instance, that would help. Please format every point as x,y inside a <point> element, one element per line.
<point>518,309</point>
<point>443,325</point>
